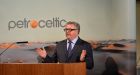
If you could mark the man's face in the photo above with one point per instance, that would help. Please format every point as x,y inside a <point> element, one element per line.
<point>71,31</point>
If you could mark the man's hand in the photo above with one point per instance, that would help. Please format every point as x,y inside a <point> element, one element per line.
<point>41,52</point>
<point>83,54</point>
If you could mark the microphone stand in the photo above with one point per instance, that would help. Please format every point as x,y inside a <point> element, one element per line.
<point>6,50</point>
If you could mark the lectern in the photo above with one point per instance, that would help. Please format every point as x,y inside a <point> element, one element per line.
<point>43,69</point>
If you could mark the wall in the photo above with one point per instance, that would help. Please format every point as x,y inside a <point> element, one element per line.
<point>99,19</point>
<point>123,19</point>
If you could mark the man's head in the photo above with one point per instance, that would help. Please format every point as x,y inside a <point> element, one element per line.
<point>72,30</point>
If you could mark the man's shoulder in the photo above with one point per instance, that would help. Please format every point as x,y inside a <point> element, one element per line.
<point>62,41</point>
<point>83,41</point>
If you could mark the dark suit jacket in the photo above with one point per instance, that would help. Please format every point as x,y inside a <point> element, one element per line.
<point>61,54</point>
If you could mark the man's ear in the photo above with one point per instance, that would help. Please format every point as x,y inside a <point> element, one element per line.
<point>78,31</point>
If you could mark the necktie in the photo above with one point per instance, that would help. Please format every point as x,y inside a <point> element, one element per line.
<point>69,47</point>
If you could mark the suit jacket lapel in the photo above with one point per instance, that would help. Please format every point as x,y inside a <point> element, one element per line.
<point>65,48</point>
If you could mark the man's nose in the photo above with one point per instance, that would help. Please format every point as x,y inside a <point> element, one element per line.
<point>67,31</point>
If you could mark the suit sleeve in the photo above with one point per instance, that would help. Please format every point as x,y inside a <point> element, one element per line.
<point>50,59</point>
<point>89,57</point>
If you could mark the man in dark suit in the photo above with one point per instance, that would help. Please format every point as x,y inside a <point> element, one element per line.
<point>72,49</point>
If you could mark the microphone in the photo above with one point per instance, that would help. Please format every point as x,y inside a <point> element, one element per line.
<point>21,42</point>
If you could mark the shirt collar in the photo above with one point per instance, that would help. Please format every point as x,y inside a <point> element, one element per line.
<point>74,40</point>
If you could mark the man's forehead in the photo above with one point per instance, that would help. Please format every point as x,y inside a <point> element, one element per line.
<point>70,25</point>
